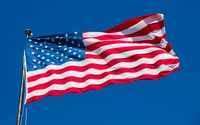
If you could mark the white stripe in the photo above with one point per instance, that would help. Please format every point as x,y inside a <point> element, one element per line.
<point>159,32</point>
<point>99,72</point>
<point>163,43</point>
<point>172,52</point>
<point>68,85</point>
<point>118,45</point>
<point>142,24</point>
<point>136,27</point>
<point>89,61</point>
<point>90,53</point>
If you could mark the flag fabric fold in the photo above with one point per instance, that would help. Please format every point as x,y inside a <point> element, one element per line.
<point>77,62</point>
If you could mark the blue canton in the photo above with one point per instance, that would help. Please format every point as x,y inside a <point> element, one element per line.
<point>54,50</point>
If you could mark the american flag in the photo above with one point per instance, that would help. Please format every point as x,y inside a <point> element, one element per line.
<point>77,62</point>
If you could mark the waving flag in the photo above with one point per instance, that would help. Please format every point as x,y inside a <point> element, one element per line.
<point>77,62</point>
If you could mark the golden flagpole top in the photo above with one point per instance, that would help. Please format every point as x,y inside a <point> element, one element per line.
<point>28,33</point>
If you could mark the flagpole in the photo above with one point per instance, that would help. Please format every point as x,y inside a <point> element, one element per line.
<point>21,96</point>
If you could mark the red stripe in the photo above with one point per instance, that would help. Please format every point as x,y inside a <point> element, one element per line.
<point>148,29</point>
<point>120,49</point>
<point>125,49</point>
<point>97,87</point>
<point>127,24</point>
<point>94,46</point>
<point>144,31</point>
<point>156,40</point>
<point>168,48</point>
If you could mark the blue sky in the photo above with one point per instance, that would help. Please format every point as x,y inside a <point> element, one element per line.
<point>173,100</point>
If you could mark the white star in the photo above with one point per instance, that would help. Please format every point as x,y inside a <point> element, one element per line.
<point>43,57</point>
<point>43,63</point>
<point>60,37</point>
<point>38,56</point>
<point>61,60</point>
<point>31,46</point>
<point>57,36</point>
<point>71,58</point>
<point>75,32</point>
<point>66,40</point>
<point>42,51</point>
<point>39,62</point>
<point>65,49</point>
<point>52,40</point>
<point>34,60</point>
<point>35,42</point>
<point>48,53</point>
<point>66,35</point>
<point>66,56</point>
<point>57,57</point>
<point>79,56</point>
<point>52,55</point>
<point>33,53</point>
<point>34,67</point>
<point>36,48</point>
<point>59,42</point>
<point>57,52</point>
<point>46,47</point>
<point>69,50</point>
<point>79,45</point>
<point>72,42</point>
<point>62,54</point>
<point>51,48</point>
<point>59,46</point>
<point>38,38</point>
<point>47,60</point>
<point>29,40</point>
<point>52,63</point>
<point>40,44</point>
<point>74,53</point>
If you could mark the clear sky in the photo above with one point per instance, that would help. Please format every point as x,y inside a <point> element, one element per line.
<point>173,100</point>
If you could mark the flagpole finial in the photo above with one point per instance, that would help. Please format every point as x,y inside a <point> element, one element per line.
<point>28,33</point>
